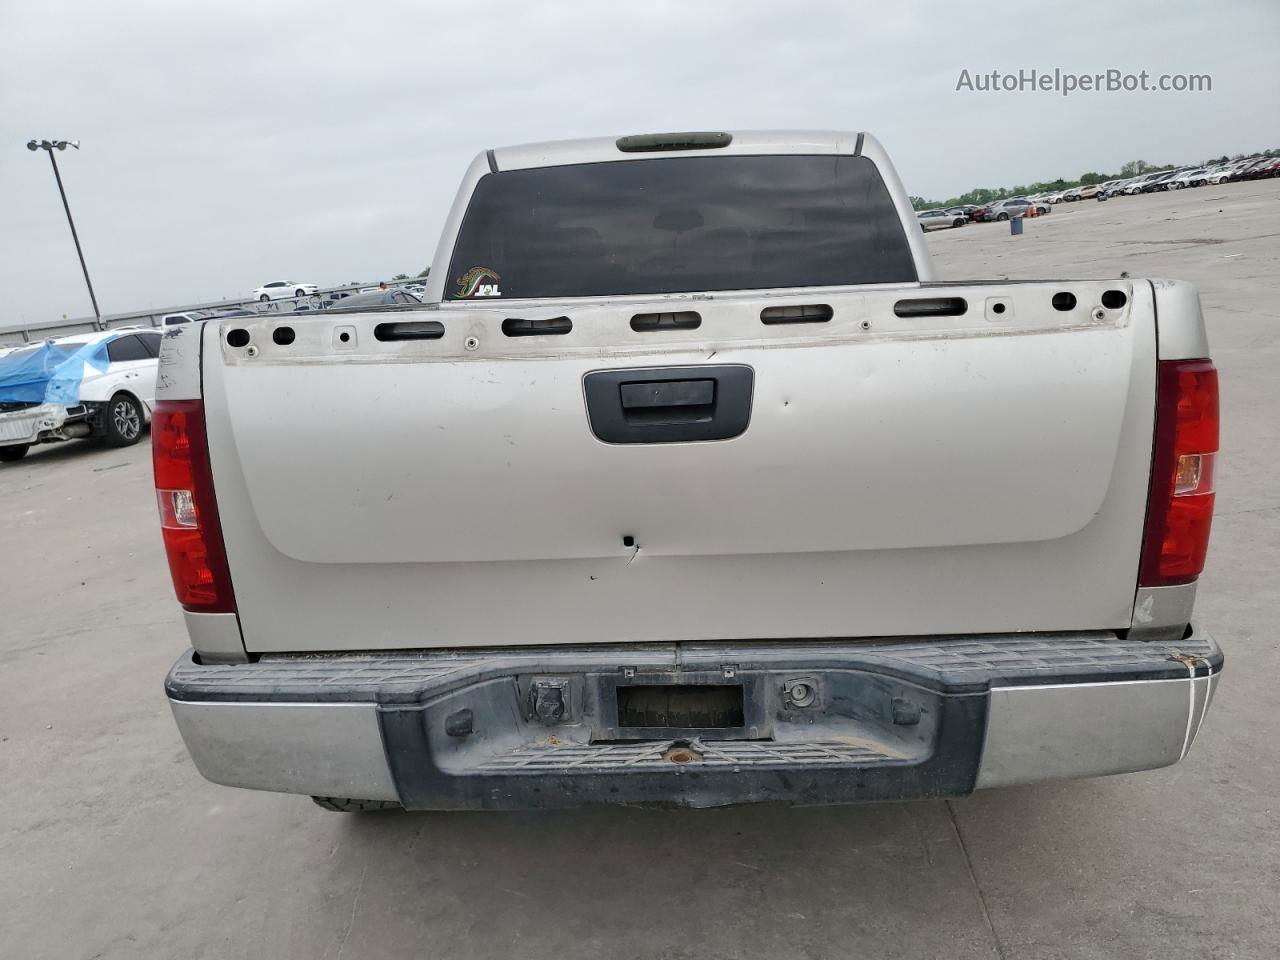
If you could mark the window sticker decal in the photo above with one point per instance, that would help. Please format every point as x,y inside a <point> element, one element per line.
<point>478,282</point>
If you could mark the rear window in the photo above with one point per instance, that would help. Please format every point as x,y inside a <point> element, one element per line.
<point>127,348</point>
<point>151,341</point>
<point>679,225</point>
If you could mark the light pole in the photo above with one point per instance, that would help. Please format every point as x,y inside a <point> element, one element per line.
<point>50,146</point>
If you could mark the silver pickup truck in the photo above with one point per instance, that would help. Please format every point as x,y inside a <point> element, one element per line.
<point>690,484</point>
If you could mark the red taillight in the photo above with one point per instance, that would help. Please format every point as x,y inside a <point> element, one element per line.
<point>188,511</point>
<point>1180,506</point>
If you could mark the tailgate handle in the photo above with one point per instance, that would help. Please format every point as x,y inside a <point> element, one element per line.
<point>669,404</point>
<point>655,394</point>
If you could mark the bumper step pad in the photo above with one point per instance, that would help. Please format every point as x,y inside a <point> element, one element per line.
<point>959,664</point>
<point>658,754</point>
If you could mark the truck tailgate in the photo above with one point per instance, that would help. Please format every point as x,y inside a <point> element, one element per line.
<point>937,471</point>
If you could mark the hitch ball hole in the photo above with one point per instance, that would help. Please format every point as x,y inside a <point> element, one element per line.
<point>344,337</point>
<point>997,308</point>
<point>678,753</point>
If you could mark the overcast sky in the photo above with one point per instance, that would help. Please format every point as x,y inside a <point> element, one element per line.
<point>230,143</point>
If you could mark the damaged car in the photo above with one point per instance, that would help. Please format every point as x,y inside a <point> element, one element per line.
<point>99,385</point>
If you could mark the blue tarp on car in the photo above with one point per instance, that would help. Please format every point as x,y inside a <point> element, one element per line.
<point>49,373</point>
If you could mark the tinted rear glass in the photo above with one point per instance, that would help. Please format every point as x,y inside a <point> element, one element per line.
<point>127,348</point>
<point>678,225</point>
<point>152,343</point>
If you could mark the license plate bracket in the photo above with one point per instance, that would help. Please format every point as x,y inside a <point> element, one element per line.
<point>688,706</point>
<point>681,706</point>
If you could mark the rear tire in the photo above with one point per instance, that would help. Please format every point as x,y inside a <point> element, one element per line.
<point>1002,217</point>
<point>299,294</point>
<point>14,452</point>
<point>264,299</point>
<point>347,805</point>
<point>122,426</point>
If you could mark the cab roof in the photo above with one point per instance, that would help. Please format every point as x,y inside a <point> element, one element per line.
<point>641,146</point>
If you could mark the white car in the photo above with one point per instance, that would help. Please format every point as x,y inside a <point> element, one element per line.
<point>1135,186</point>
<point>283,290</point>
<point>1188,178</point>
<point>94,384</point>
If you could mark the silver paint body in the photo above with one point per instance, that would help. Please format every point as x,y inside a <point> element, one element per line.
<point>462,490</point>
<point>856,490</point>
<point>940,220</point>
<point>899,476</point>
<point>216,636</point>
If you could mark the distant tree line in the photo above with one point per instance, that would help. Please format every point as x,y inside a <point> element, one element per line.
<point>404,276</point>
<point>398,277</point>
<point>1134,168</point>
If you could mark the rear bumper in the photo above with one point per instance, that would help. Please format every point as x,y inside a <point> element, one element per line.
<point>887,720</point>
<point>44,423</point>
<point>27,425</point>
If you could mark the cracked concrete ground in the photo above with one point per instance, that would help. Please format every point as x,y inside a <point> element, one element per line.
<point>113,847</point>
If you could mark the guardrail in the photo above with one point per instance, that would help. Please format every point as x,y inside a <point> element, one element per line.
<point>152,318</point>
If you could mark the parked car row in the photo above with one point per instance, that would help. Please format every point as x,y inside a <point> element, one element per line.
<point>998,210</point>
<point>1250,168</point>
<point>1011,207</point>
<point>376,297</point>
<point>194,316</point>
<point>1247,168</point>
<point>378,294</point>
